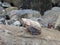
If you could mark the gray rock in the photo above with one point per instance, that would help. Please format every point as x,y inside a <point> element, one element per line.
<point>51,16</point>
<point>10,9</point>
<point>58,27</point>
<point>2,20</point>
<point>5,4</point>
<point>57,9</point>
<point>34,31</point>
<point>16,23</point>
<point>57,21</point>
<point>2,11</point>
<point>0,3</point>
<point>26,13</point>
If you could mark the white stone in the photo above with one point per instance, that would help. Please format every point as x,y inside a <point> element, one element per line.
<point>16,23</point>
<point>31,22</point>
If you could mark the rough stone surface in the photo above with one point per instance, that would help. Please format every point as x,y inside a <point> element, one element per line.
<point>10,9</point>
<point>58,21</point>
<point>12,35</point>
<point>58,27</point>
<point>2,11</point>
<point>51,16</point>
<point>26,13</point>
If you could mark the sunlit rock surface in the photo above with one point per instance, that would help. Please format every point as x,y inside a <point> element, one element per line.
<point>12,35</point>
<point>51,16</point>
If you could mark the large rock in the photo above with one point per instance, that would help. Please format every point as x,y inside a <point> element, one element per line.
<point>10,9</point>
<point>51,16</point>
<point>57,21</point>
<point>26,13</point>
<point>57,9</point>
<point>12,35</point>
<point>58,27</point>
